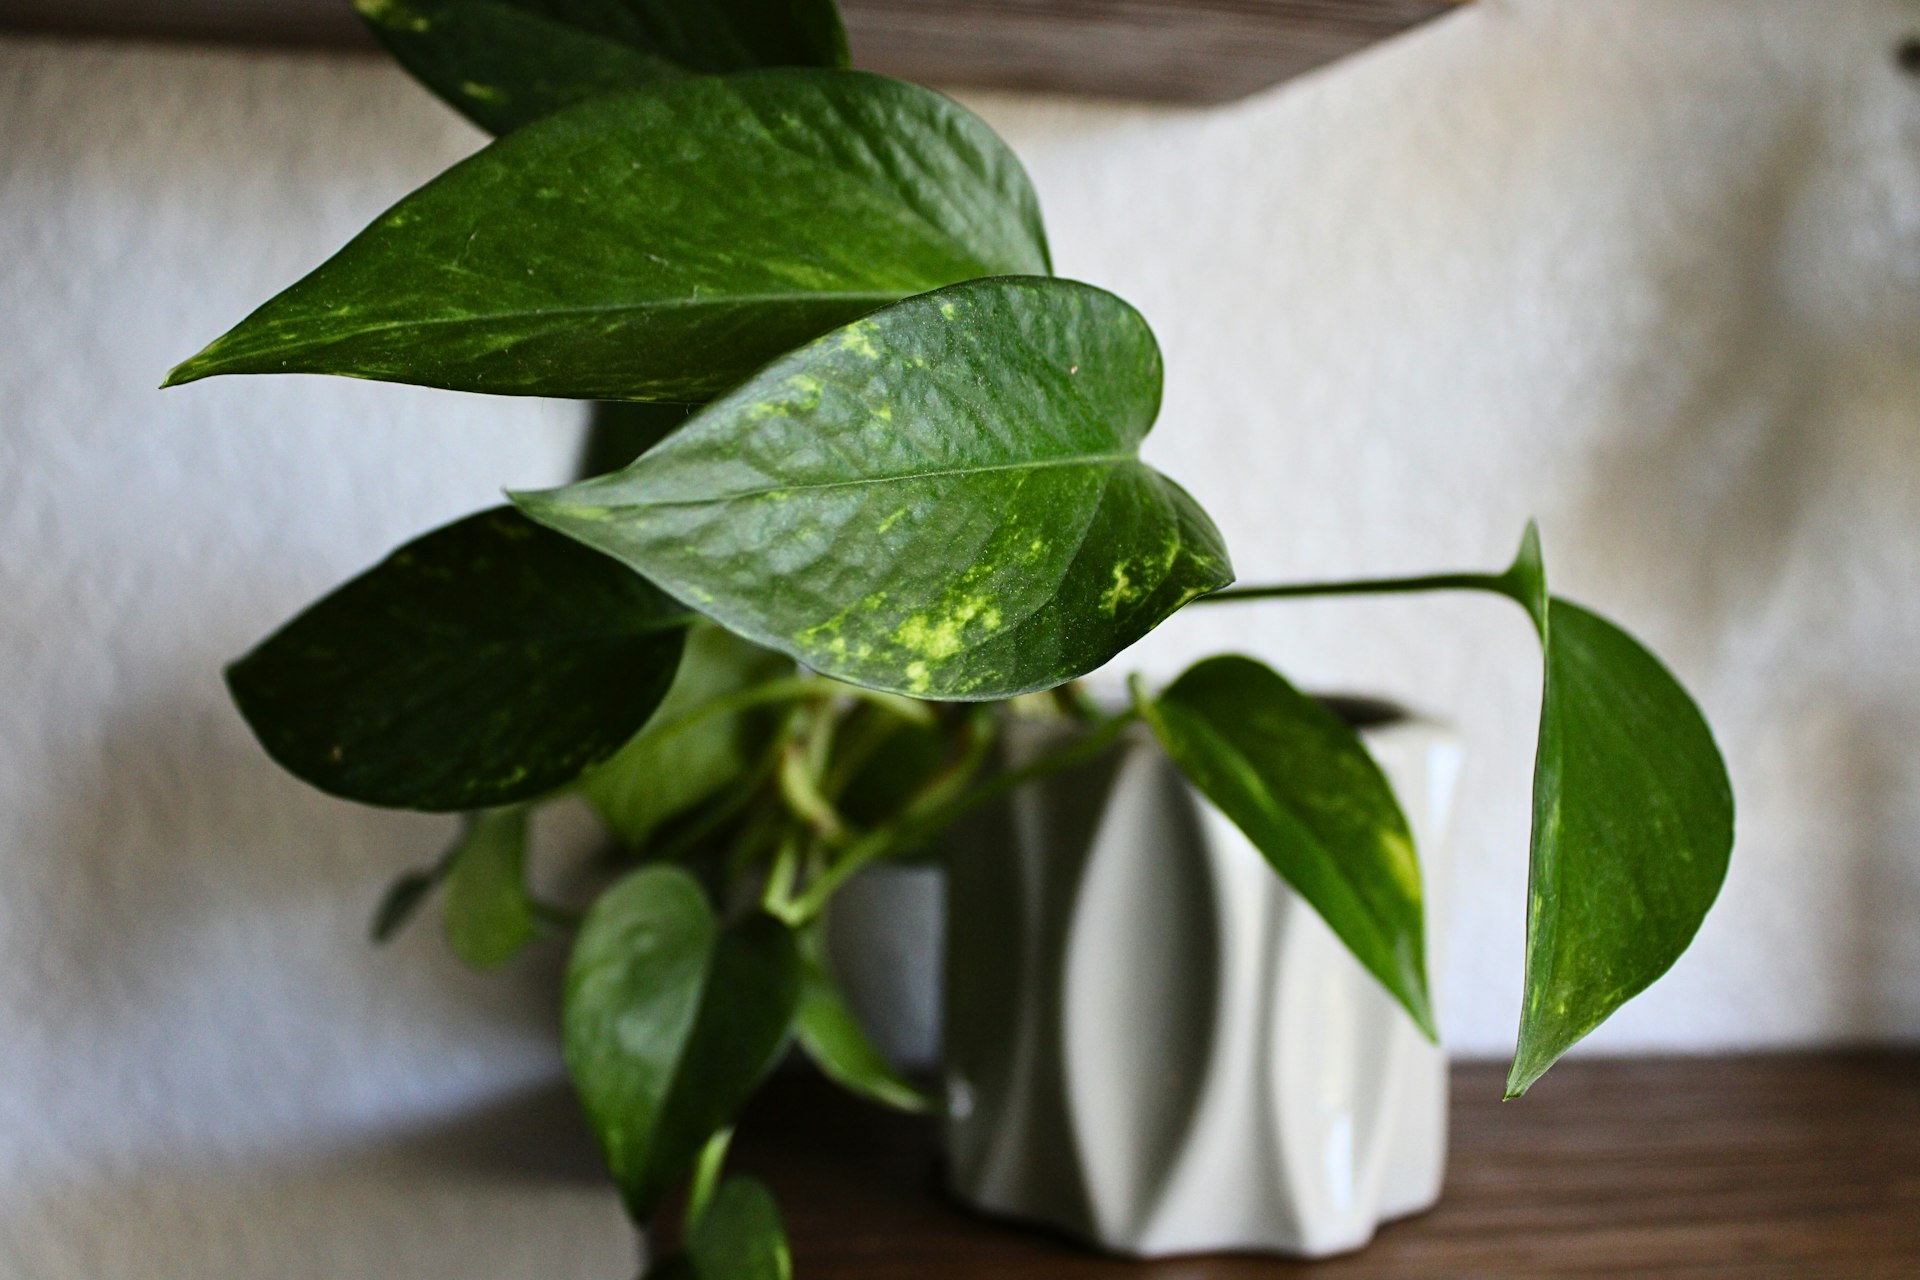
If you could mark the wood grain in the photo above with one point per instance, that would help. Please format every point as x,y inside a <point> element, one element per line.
<point>1764,1168</point>
<point>1183,50</point>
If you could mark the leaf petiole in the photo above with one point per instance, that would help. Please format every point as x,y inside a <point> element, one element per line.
<point>800,789</point>
<point>1494,582</point>
<point>796,689</point>
<point>922,820</point>
<point>776,898</point>
<point>706,1177</point>
<point>1088,749</point>
<point>1523,581</point>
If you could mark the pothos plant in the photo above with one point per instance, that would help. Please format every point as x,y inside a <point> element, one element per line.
<point>864,481</point>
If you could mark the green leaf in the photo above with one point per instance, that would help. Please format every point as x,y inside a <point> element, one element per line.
<point>1525,580</point>
<point>485,908</point>
<point>671,1020</point>
<point>675,763</point>
<point>618,431</point>
<point>401,902</point>
<point>833,1037</point>
<point>897,758</point>
<point>657,245</point>
<point>409,892</point>
<point>740,1237</point>
<point>1632,810</point>
<point>1632,822</point>
<point>1296,779</point>
<point>1632,830</point>
<point>503,63</point>
<point>483,664</point>
<point>944,499</point>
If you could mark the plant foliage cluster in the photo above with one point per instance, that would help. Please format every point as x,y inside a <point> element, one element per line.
<point>863,467</point>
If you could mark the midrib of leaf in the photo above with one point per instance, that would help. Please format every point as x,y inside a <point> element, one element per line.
<point>624,43</point>
<point>1546,843</point>
<point>483,667</point>
<point>1249,774</point>
<point>264,345</point>
<point>615,308</point>
<point>586,635</point>
<point>620,43</point>
<point>1017,617</point>
<point>667,622</point>
<point>1106,460</point>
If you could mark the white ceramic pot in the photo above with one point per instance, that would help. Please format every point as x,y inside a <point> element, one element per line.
<point>1154,1045</point>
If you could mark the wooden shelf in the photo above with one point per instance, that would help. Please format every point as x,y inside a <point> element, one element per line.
<point>1180,50</point>
<point>1783,1168</point>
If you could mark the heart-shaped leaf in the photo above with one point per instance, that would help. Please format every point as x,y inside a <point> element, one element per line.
<point>944,499</point>
<point>671,1020</point>
<point>484,906</point>
<point>676,761</point>
<point>657,245</point>
<point>502,63</point>
<point>881,762</point>
<point>485,663</point>
<point>618,431</point>
<point>402,901</point>
<point>1632,824</point>
<point>1295,778</point>
<point>410,891</point>
<point>833,1037</point>
<point>1632,810</point>
<point>739,1237</point>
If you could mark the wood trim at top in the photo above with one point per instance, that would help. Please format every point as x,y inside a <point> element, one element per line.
<point>1167,50</point>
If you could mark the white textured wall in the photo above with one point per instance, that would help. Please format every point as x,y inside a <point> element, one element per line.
<point>1649,270</point>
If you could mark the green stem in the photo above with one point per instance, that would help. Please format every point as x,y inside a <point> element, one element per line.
<point>800,789</point>
<point>795,689</point>
<point>911,823</point>
<point>1524,582</point>
<point>1085,751</point>
<point>736,799</point>
<point>759,833</point>
<point>919,822</point>
<point>859,739</point>
<point>977,737</point>
<point>1496,582</point>
<point>868,848</point>
<point>821,732</point>
<point>554,916</point>
<point>706,1177</point>
<point>777,896</point>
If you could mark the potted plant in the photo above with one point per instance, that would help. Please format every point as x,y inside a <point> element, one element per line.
<point>1149,1040</point>
<point>889,499</point>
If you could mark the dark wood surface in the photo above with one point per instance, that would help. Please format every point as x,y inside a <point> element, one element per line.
<point>1187,50</point>
<point>1795,1168</point>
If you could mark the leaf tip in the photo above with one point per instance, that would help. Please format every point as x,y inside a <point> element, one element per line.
<point>1528,559</point>
<point>186,371</point>
<point>1137,692</point>
<point>1530,1062</point>
<point>1429,1028</point>
<point>398,905</point>
<point>533,502</point>
<point>555,509</point>
<point>1411,991</point>
<point>1525,580</point>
